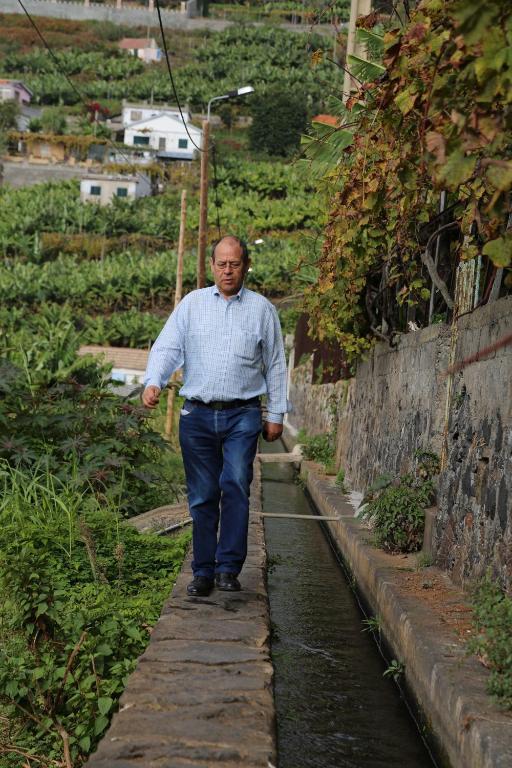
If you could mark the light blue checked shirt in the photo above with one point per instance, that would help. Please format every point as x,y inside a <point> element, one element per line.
<point>229,350</point>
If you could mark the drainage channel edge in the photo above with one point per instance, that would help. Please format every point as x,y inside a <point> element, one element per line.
<point>202,692</point>
<point>448,685</point>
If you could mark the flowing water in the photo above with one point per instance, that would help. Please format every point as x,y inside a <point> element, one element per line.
<point>334,707</point>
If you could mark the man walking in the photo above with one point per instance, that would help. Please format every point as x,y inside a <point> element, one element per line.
<point>228,341</point>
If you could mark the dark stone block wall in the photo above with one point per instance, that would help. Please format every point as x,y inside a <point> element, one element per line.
<point>401,400</point>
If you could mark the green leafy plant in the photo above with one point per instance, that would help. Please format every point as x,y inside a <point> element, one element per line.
<point>397,515</point>
<point>394,670</point>
<point>318,448</point>
<point>372,624</point>
<point>383,181</point>
<point>79,590</point>
<point>395,509</point>
<point>340,480</point>
<point>492,618</point>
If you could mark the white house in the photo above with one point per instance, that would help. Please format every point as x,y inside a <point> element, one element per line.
<point>144,48</point>
<point>15,90</point>
<point>102,188</point>
<point>128,365</point>
<point>135,112</point>
<point>165,135</point>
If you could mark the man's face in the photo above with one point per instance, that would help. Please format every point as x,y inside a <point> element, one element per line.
<point>228,267</point>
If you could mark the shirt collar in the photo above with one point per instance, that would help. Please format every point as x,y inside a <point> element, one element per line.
<point>238,296</point>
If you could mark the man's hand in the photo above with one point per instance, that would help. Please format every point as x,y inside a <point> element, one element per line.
<point>272,431</point>
<point>151,396</point>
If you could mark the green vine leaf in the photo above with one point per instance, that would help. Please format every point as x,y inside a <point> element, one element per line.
<point>457,169</point>
<point>499,250</point>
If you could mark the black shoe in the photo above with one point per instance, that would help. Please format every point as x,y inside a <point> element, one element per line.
<point>228,582</point>
<point>200,586</point>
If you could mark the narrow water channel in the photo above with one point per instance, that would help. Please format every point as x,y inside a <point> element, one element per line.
<point>334,707</point>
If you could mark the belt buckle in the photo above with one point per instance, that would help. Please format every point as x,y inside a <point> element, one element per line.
<point>217,405</point>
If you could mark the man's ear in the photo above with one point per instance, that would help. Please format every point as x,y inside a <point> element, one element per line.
<point>247,265</point>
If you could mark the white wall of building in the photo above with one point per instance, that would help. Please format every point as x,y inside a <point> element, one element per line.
<point>103,190</point>
<point>163,134</point>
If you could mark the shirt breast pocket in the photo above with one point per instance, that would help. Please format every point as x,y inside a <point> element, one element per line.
<point>246,345</point>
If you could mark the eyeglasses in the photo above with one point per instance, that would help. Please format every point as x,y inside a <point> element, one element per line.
<point>225,264</point>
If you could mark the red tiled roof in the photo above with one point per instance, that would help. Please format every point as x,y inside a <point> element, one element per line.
<point>327,120</point>
<point>137,42</point>
<point>120,357</point>
<point>4,81</point>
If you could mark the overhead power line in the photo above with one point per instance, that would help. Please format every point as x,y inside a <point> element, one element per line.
<point>84,99</point>
<point>171,77</point>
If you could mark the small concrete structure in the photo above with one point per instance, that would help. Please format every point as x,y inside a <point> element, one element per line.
<point>166,135</point>
<point>128,365</point>
<point>145,49</point>
<point>15,90</point>
<point>102,188</point>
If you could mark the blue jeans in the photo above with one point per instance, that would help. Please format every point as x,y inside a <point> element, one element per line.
<point>218,449</point>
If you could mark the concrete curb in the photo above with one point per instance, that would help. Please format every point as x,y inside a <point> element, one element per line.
<point>202,692</point>
<point>448,686</point>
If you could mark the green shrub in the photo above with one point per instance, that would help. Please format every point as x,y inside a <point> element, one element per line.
<point>79,590</point>
<point>492,613</point>
<point>397,516</point>
<point>279,120</point>
<point>318,448</point>
<point>396,508</point>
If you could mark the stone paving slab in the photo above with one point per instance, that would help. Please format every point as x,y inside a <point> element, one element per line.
<point>201,695</point>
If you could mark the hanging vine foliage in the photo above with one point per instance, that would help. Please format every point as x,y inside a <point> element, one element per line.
<point>438,118</point>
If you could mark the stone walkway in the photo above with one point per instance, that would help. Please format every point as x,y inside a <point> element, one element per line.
<point>201,695</point>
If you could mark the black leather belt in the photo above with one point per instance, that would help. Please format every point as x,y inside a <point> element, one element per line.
<point>224,405</point>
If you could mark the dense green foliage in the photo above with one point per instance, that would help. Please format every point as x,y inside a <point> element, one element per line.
<point>397,515</point>
<point>395,509</point>
<point>492,615</point>
<point>279,120</point>
<point>397,146</point>
<point>318,448</point>
<point>79,591</point>
<point>56,411</point>
<point>278,11</point>
<point>220,62</point>
<point>255,198</point>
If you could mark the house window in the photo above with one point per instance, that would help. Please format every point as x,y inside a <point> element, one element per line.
<point>141,141</point>
<point>161,144</point>
<point>122,192</point>
<point>95,190</point>
<point>135,115</point>
<point>182,143</point>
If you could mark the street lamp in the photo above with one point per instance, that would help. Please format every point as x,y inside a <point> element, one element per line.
<point>203,192</point>
<point>243,91</point>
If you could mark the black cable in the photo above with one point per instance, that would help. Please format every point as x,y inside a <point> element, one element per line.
<point>169,69</point>
<point>85,101</point>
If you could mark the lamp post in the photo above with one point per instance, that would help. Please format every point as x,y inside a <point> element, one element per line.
<point>244,91</point>
<point>203,194</point>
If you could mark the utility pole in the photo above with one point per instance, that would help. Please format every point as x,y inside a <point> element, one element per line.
<point>357,8</point>
<point>203,209</point>
<point>177,298</point>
